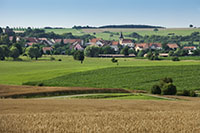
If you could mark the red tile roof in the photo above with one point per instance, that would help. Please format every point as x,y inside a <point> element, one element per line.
<point>115,42</point>
<point>189,47</point>
<point>173,46</point>
<point>71,41</point>
<point>94,40</point>
<point>47,48</point>
<point>155,44</point>
<point>143,45</point>
<point>30,43</point>
<point>32,39</point>
<point>127,41</point>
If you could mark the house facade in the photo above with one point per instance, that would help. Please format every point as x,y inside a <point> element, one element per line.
<point>125,42</point>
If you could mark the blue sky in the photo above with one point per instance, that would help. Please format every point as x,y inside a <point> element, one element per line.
<point>66,13</point>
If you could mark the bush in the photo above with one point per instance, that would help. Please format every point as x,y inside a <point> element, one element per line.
<point>156,89</point>
<point>59,59</point>
<point>165,80</point>
<point>186,93</point>
<point>40,84</point>
<point>193,93</point>
<point>169,89</point>
<point>190,93</point>
<point>52,58</point>
<point>18,59</point>
<point>175,58</point>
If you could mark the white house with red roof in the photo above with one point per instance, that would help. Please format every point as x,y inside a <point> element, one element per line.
<point>114,45</point>
<point>190,49</point>
<point>155,46</point>
<point>173,46</point>
<point>125,42</point>
<point>45,49</point>
<point>141,46</point>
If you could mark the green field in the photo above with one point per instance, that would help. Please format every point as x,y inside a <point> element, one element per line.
<point>143,32</point>
<point>130,74</point>
<point>140,78</point>
<point>119,96</point>
<point>66,30</point>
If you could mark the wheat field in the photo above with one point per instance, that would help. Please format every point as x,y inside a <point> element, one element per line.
<point>99,116</point>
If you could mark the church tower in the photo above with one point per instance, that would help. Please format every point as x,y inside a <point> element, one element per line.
<point>121,38</point>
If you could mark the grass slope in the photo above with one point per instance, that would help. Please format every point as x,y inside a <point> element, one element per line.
<point>18,72</point>
<point>142,78</point>
<point>143,32</point>
<point>118,96</point>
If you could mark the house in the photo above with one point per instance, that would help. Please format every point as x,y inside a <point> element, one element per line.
<point>29,44</point>
<point>190,49</point>
<point>32,39</point>
<point>114,45</point>
<point>163,54</point>
<point>173,46</point>
<point>155,46</point>
<point>97,42</point>
<point>71,41</point>
<point>45,49</point>
<point>68,41</point>
<point>141,46</point>
<point>125,42</point>
<point>78,47</point>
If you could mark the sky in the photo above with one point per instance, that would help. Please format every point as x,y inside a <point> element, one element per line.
<point>67,13</point>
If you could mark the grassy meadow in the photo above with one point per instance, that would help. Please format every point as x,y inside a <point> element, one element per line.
<point>100,72</point>
<point>118,96</point>
<point>100,32</point>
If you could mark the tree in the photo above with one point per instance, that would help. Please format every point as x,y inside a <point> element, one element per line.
<point>14,39</point>
<point>79,55</point>
<point>165,80</point>
<point>33,52</point>
<point>1,30</point>
<point>4,39</point>
<point>4,52</point>
<point>14,52</point>
<point>156,89</point>
<point>114,60</point>
<point>141,53</point>
<point>169,89</point>
<point>191,26</point>
<point>107,50</point>
<point>156,29</point>
<point>19,47</point>
<point>125,51</point>
<point>91,51</point>
<point>165,46</point>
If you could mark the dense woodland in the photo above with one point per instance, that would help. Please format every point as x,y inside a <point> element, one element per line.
<point>116,26</point>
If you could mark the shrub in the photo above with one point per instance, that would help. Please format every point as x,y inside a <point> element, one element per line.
<point>165,80</point>
<point>59,59</point>
<point>193,93</point>
<point>175,58</point>
<point>190,93</point>
<point>169,89</point>
<point>18,59</point>
<point>40,84</point>
<point>156,89</point>
<point>52,58</point>
<point>186,93</point>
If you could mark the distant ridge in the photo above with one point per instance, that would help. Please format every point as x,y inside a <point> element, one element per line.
<point>117,26</point>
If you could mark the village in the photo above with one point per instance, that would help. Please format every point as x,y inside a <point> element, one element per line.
<point>48,45</point>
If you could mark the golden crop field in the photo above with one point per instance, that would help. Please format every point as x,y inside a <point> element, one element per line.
<point>99,116</point>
